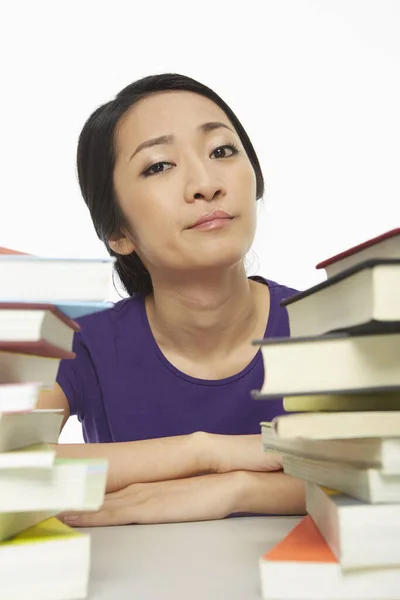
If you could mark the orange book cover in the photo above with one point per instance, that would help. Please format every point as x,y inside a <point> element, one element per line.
<point>303,544</point>
<point>10,251</point>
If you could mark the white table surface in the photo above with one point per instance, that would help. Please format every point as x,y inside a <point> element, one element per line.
<point>212,560</point>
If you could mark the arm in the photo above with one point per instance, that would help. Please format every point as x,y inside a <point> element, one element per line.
<point>167,458</point>
<point>201,498</point>
<point>178,457</point>
<point>130,462</point>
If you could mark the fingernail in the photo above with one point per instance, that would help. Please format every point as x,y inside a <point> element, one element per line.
<point>69,518</point>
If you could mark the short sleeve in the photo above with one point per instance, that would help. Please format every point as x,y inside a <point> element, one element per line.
<point>74,375</point>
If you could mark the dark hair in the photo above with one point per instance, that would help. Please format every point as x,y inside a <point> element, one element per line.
<point>96,158</point>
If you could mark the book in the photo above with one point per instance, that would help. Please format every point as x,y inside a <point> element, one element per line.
<point>365,298</point>
<point>24,368</point>
<point>302,566</point>
<point>360,535</point>
<point>75,310</point>
<point>19,396</point>
<point>370,485</point>
<point>50,561</point>
<point>385,245</point>
<point>20,430</point>
<point>41,279</point>
<point>71,484</point>
<point>343,402</point>
<point>13,523</point>
<point>37,456</point>
<point>336,363</point>
<point>36,328</point>
<point>72,310</point>
<point>377,453</point>
<point>10,251</point>
<point>337,425</point>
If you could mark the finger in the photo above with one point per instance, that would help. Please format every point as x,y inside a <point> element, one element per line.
<point>118,515</point>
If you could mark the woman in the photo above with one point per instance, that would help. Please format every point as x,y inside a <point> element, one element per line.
<point>171,181</point>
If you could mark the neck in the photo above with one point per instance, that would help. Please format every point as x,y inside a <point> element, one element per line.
<point>210,313</point>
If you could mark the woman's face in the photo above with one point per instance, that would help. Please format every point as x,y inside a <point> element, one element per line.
<point>178,161</point>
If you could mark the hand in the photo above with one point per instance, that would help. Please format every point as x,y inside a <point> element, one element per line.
<point>206,497</point>
<point>241,453</point>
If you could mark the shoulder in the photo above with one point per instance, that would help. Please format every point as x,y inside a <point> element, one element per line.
<point>278,291</point>
<point>125,313</point>
<point>278,320</point>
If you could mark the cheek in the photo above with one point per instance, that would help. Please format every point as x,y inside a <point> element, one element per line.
<point>245,181</point>
<point>152,222</point>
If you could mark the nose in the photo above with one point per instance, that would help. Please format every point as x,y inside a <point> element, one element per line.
<point>203,184</point>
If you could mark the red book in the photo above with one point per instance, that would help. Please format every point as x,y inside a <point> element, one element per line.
<point>40,329</point>
<point>386,245</point>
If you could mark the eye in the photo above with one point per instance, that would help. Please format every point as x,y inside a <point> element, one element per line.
<point>156,168</point>
<point>225,151</point>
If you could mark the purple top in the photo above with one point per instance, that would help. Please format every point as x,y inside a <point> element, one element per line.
<point>122,388</point>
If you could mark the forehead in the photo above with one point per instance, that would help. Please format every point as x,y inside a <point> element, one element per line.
<point>167,112</point>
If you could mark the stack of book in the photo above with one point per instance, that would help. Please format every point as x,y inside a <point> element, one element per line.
<point>40,557</point>
<point>339,375</point>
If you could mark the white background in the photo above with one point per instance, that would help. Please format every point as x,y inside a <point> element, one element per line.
<point>315,83</point>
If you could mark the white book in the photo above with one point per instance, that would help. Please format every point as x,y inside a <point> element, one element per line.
<point>364,298</point>
<point>333,363</point>
<point>381,247</point>
<point>18,396</point>
<point>69,485</point>
<point>41,279</point>
<point>35,324</point>
<point>24,368</point>
<point>337,425</point>
<point>302,567</point>
<point>360,535</point>
<point>370,485</point>
<point>19,430</point>
<point>377,453</point>
<point>37,456</point>
<point>50,561</point>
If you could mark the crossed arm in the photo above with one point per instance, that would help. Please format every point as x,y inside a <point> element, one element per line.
<point>188,478</point>
<point>184,478</point>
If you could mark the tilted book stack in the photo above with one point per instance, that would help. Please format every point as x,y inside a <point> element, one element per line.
<point>339,374</point>
<point>40,557</point>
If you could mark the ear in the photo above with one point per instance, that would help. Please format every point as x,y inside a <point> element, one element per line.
<point>121,244</point>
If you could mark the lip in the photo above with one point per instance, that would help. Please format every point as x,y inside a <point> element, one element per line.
<point>216,217</point>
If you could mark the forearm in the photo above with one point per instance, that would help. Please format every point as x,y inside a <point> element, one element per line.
<point>178,457</point>
<point>146,460</point>
<point>202,498</point>
<point>270,493</point>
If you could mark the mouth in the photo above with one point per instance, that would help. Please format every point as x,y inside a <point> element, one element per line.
<point>214,220</point>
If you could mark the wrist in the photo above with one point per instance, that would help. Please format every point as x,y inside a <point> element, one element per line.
<point>241,486</point>
<point>202,449</point>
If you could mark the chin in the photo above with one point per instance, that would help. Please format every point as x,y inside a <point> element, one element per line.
<point>220,258</point>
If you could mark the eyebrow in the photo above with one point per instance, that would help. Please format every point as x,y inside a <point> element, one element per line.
<point>168,139</point>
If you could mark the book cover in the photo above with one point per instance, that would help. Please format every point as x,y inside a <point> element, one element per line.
<point>10,251</point>
<point>361,535</point>
<point>41,306</point>
<point>19,397</point>
<point>302,566</point>
<point>304,543</point>
<point>336,363</point>
<point>375,401</point>
<point>359,247</point>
